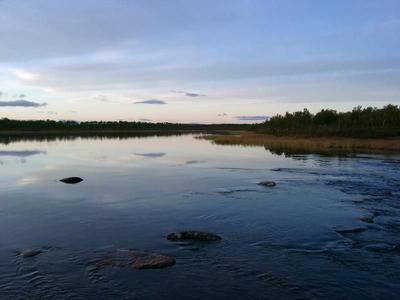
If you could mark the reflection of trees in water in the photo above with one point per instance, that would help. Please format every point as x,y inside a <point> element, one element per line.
<point>322,158</point>
<point>21,153</point>
<point>303,153</point>
<point>299,153</point>
<point>14,138</point>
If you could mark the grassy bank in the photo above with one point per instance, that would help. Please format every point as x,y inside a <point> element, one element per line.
<point>305,144</point>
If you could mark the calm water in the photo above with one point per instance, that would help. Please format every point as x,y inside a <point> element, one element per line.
<point>278,243</point>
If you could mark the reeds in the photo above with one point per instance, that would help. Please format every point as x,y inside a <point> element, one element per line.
<point>305,144</point>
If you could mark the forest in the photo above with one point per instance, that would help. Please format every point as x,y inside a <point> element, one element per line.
<point>359,122</point>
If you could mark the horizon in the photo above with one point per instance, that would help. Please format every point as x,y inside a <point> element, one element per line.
<point>249,120</point>
<point>195,62</point>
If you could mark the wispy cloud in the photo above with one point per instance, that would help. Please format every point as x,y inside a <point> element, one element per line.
<point>188,94</point>
<point>151,154</point>
<point>21,103</point>
<point>252,118</point>
<point>101,98</point>
<point>151,101</point>
<point>48,112</point>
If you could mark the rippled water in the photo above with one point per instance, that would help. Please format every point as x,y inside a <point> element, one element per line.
<point>278,243</point>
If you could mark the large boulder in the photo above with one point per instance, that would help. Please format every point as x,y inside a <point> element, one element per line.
<point>71,180</point>
<point>136,259</point>
<point>193,235</point>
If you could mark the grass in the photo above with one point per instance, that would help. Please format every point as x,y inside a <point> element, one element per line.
<point>305,144</point>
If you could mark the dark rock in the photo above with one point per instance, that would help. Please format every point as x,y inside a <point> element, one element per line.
<point>31,252</point>
<point>367,219</point>
<point>351,230</point>
<point>267,183</point>
<point>193,235</point>
<point>71,180</point>
<point>136,259</point>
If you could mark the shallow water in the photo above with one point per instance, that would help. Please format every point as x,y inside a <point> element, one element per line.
<point>278,243</point>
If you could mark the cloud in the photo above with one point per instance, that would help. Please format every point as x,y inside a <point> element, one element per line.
<point>25,75</point>
<point>21,103</point>
<point>151,101</point>
<point>192,162</point>
<point>22,153</point>
<point>188,94</point>
<point>252,118</point>
<point>152,155</point>
<point>91,29</point>
<point>48,112</point>
<point>101,98</point>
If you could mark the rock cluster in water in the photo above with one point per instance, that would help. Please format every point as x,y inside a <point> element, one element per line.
<point>193,235</point>
<point>71,180</point>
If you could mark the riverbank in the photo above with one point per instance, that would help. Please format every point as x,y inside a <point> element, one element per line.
<point>305,144</point>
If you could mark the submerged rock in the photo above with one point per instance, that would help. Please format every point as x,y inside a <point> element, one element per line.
<point>136,259</point>
<point>71,180</point>
<point>367,219</point>
<point>31,252</point>
<point>351,230</point>
<point>193,235</point>
<point>379,247</point>
<point>267,183</point>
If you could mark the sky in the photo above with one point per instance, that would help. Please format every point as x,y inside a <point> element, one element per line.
<point>195,61</point>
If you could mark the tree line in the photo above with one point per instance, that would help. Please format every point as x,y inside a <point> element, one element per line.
<point>359,122</point>
<point>50,125</point>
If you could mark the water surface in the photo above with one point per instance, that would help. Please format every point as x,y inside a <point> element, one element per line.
<point>278,243</point>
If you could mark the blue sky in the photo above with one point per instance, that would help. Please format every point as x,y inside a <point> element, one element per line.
<point>195,61</point>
